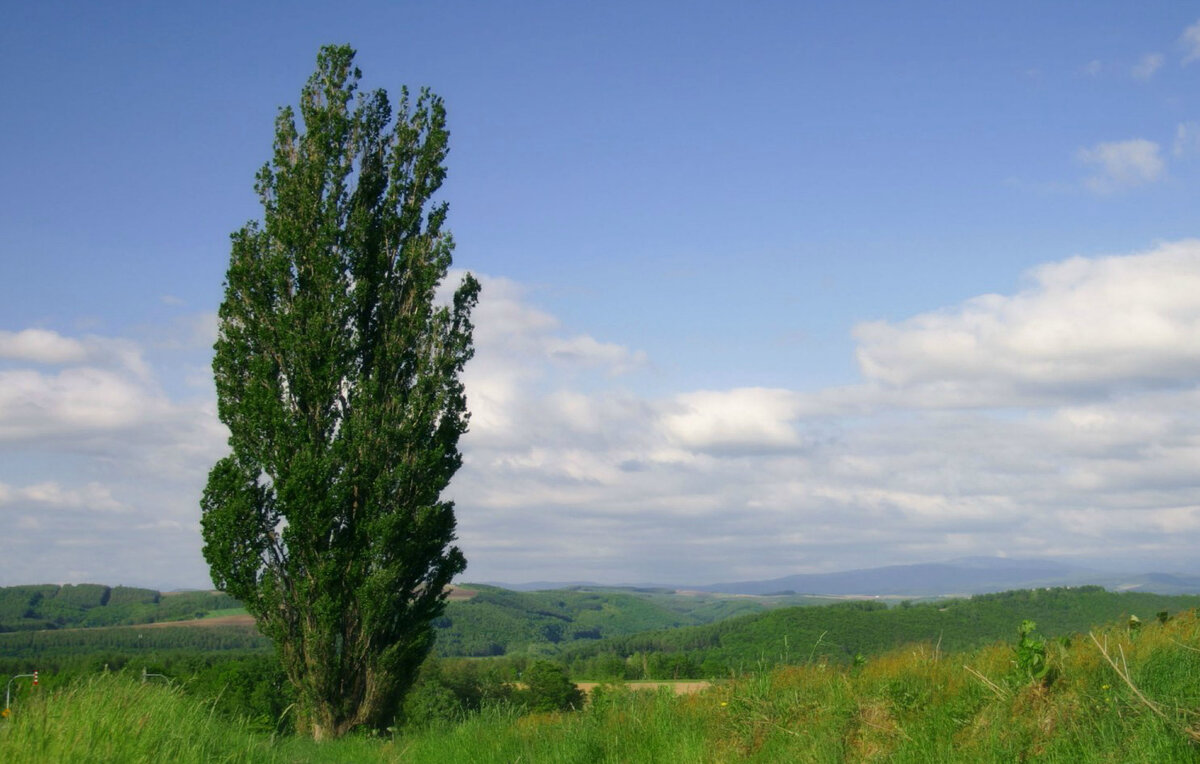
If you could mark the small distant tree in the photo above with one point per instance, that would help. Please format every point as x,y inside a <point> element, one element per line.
<point>549,689</point>
<point>337,374</point>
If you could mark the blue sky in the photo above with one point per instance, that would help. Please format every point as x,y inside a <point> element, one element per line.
<point>770,287</point>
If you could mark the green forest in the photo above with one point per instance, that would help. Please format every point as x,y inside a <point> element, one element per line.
<point>596,633</point>
<point>838,633</point>
<point>35,608</point>
<point>497,621</point>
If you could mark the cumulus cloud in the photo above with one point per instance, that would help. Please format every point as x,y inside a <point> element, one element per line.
<point>1061,420</point>
<point>1054,421</point>
<point>1082,325</point>
<point>94,449</point>
<point>40,346</point>
<point>506,322</point>
<point>45,347</point>
<point>76,401</point>
<point>522,356</point>
<point>747,419</point>
<point>1122,164</point>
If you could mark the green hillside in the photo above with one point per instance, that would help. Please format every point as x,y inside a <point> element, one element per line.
<point>33,608</point>
<point>499,621</point>
<point>839,632</point>
<point>38,621</point>
<point>596,633</point>
<point>1128,695</point>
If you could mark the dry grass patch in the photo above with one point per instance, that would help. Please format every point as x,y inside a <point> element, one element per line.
<point>874,733</point>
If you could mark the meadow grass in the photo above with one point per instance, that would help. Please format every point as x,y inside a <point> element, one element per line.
<point>223,612</point>
<point>114,717</point>
<point>916,704</point>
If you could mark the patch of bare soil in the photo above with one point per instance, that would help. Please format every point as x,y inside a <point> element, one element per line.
<point>244,619</point>
<point>680,688</point>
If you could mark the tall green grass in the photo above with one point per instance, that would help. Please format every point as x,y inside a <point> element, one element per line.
<point>114,717</point>
<point>916,704</point>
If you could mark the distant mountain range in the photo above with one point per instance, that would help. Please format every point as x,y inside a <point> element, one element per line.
<point>968,575</point>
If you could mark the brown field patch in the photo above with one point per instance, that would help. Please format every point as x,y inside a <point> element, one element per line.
<point>680,688</point>
<point>242,619</point>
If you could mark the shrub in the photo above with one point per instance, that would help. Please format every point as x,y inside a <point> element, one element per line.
<point>547,688</point>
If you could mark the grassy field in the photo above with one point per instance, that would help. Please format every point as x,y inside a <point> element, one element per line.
<point>225,612</point>
<point>1129,695</point>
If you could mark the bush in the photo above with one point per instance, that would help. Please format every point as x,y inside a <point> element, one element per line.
<point>431,703</point>
<point>547,688</point>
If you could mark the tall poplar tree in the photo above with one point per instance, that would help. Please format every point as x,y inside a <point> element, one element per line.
<point>338,376</point>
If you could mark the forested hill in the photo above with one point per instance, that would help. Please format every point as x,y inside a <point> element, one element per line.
<point>598,632</point>
<point>478,621</point>
<point>48,606</point>
<point>489,620</point>
<point>840,632</point>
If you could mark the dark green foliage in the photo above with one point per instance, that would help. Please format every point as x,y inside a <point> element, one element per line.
<point>547,688</point>
<point>128,595</point>
<point>251,687</point>
<point>447,690</point>
<point>430,703</point>
<point>184,605</point>
<point>67,642</point>
<point>337,375</point>
<point>19,606</point>
<point>83,595</point>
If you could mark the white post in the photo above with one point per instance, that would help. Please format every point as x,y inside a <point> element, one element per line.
<point>8,688</point>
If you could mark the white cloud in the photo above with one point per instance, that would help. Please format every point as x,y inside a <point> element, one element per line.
<point>1187,139</point>
<point>746,420</point>
<point>1062,419</point>
<point>586,351</point>
<point>1081,440</point>
<point>74,402</point>
<point>40,346</point>
<point>92,495</point>
<point>1093,68</point>
<point>94,450</point>
<point>1145,68</point>
<point>522,356</point>
<point>1122,164</point>
<point>1191,43</point>
<point>1083,325</point>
